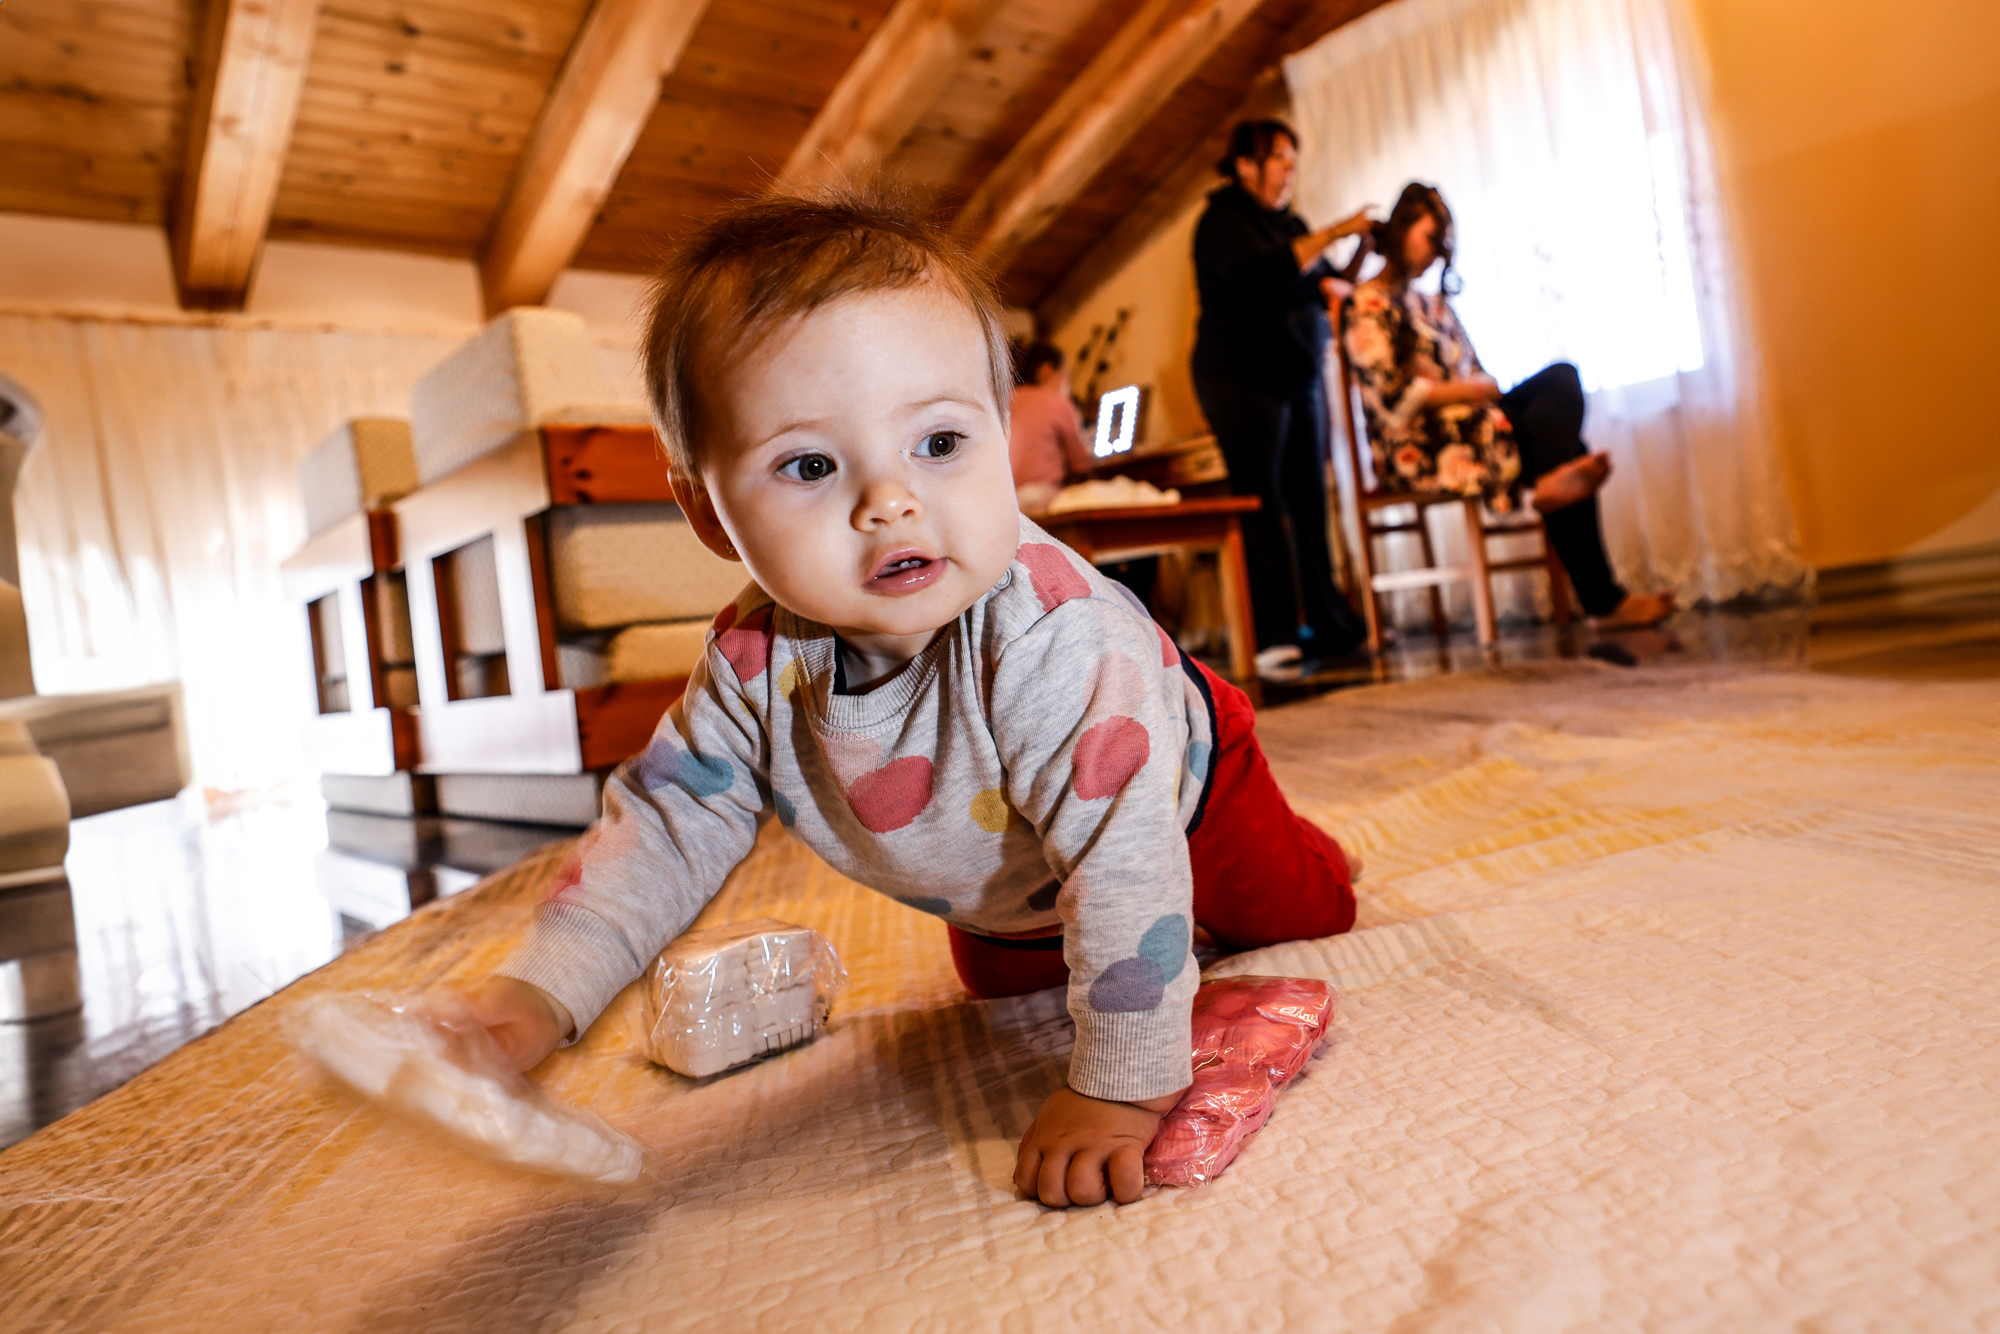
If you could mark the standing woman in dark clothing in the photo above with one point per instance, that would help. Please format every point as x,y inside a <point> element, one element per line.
<point>1438,422</point>
<point>1257,360</point>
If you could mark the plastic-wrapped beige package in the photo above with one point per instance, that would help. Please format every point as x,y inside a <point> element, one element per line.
<point>426,1060</point>
<point>728,996</point>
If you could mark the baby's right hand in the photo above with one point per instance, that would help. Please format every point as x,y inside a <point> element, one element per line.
<point>524,1020</point>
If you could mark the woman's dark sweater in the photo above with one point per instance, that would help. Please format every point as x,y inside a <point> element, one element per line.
<point>1263,321</point>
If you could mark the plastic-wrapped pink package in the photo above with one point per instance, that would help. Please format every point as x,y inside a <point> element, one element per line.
<point>426,1060</point>
<point>1251,1035</point>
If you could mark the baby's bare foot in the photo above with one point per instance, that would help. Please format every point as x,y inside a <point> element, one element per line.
<point>1636,612</point>
<point>1353,864</point>
<point>1579,479</point>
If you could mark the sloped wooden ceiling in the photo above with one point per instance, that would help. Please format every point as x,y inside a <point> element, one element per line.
<point>413,115</point>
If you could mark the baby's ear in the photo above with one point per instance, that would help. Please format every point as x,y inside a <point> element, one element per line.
<point>694,501</point>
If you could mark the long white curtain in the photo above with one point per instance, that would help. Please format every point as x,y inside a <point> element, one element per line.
<point>155,510</point>
<point>1569,138</point>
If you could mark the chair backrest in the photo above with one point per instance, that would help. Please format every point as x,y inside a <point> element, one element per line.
<point>1353,420</point>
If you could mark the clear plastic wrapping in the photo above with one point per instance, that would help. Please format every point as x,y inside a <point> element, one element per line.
<point>1251,1035</point>
<point>426,1060</point>
<point>728,996</point>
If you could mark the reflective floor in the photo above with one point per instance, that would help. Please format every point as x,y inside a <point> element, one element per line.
<point>182,921</point>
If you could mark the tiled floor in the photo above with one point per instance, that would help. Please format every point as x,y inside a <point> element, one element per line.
<point>183,921</point>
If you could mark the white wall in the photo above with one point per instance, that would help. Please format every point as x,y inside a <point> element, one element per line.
<point>1157,286</point>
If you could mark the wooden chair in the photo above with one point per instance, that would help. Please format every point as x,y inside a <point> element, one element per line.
<point>1372,499</point>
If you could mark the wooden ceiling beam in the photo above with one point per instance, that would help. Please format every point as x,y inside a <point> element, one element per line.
<point>1143,64</point>
<point>910,59</point>
<point>1194,175</point>
<point>602,99</point>
<point>252,68</point>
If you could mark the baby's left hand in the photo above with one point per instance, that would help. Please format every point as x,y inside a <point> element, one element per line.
<point>1078,1146</point>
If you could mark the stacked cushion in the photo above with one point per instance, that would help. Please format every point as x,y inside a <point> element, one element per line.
<point>617,565</point>
<point>528,368</point>
<point>364,465</point>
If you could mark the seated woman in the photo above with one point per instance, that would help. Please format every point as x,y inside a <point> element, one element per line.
<point>1438,422</point>
<point>1045,444</point>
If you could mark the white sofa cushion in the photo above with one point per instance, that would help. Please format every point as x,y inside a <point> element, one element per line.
<point>613,565</point>
<point>636,653</point>
<point>528,368</point>
<point>34,816</point>
<point>364,465</point>
<point>114,749</point>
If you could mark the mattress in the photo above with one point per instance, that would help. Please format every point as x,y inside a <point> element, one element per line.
<point>363,465</point>
<point>636,653</point>
<point>528,368</point>
<point>1671,1007</point>
<point>613,565</point>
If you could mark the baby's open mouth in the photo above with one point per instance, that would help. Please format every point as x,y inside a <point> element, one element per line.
<point>905,572</point>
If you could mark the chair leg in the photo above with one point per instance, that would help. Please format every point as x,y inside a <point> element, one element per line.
<point>1482,577</point>
<point>1439,622</point>
<point>1371,601</point>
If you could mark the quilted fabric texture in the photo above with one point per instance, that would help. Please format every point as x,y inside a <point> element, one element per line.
<point>613,565</point>
<point>1672,1007</point>
<point>363,465</point>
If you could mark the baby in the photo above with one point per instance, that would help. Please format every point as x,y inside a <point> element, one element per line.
<point>926,689</point>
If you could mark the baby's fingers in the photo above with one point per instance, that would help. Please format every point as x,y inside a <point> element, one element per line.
<point>1027,1168</point>
<point>1127,1170</point>
<point>1049,1184</point>
<point>1085,1178</point>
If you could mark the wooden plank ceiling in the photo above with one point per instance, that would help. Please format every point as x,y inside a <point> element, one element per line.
<point>455,127</point>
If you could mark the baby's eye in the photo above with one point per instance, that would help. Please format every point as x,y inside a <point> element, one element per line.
<point>807,468</point>
<point>939,445</point>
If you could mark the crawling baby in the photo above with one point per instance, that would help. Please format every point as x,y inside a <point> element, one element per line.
<point>926,689</point>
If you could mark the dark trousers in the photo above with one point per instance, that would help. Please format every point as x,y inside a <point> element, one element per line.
<point>1275,448</point>
<point>1547,412</point>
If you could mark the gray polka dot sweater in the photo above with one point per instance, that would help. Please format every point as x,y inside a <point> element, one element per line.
<point>1036,765</point>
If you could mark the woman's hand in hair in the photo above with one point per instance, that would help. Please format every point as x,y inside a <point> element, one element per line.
<point>1355,223</point>
<point>1310,246</point>
<point>1472,389</point>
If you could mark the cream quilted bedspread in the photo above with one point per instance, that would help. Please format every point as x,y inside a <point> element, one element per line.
<point>1674,1006</point>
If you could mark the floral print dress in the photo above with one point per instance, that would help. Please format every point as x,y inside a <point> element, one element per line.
<point>1465,449</point>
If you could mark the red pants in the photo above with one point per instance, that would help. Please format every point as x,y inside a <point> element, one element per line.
<point>1262,874</point>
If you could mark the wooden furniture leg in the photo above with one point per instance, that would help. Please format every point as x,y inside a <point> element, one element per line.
<point>1235,580</point>
<point>1371,601</point>
<point>1482,577</point>
<point>1439,622</point>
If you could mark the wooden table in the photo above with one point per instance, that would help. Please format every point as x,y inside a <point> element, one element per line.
<point>1211,524</point>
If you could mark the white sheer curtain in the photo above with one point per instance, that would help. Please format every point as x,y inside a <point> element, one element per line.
<point>1569,138</point>
<point>156,508</point>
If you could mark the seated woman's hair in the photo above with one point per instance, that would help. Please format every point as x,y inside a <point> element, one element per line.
<point>756,266</point>
<point>1032,358</point>
<point>1254,139</point>
<point>1417,201</point>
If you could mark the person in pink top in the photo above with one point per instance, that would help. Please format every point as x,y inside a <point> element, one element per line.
<point>1045,444</point>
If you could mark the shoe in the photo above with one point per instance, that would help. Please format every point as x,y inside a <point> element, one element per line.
<point>1276,656</point>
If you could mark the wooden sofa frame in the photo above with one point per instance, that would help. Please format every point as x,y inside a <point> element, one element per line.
<point>368,737</point>
<point>540,726</point>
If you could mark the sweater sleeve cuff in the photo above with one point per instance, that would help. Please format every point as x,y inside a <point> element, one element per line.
<point>578,958</point>
<point>1133,1057</point>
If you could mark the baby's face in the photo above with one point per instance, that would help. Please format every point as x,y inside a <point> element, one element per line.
<point>858,463</point>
